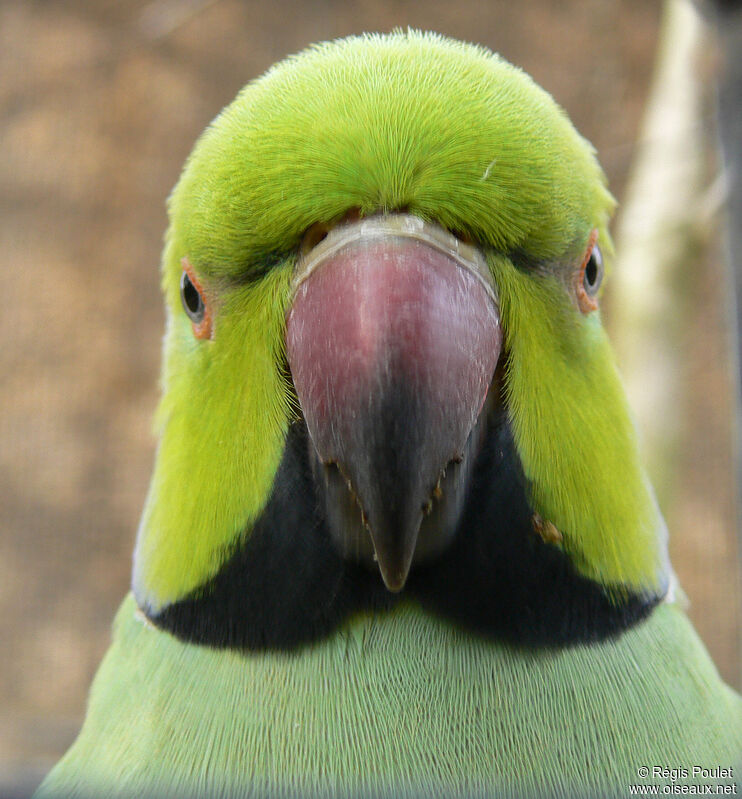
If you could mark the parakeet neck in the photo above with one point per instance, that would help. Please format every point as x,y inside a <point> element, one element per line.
<point>502,576</point>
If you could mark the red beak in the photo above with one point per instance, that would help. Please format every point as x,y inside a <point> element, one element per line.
<point>393,337</point>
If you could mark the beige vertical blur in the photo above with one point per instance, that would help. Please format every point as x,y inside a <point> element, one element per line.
<point>668,302</point>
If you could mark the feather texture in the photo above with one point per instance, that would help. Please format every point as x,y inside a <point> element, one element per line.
<point>401,704</point>
<point>501,668</point>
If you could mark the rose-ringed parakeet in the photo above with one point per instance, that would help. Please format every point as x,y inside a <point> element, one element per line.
<point>398,541</point>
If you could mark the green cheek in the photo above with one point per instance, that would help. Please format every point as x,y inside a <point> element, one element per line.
<point>575,437</point>
<point>223,420</point>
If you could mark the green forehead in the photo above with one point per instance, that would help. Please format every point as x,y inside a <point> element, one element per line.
<point>409,121</point>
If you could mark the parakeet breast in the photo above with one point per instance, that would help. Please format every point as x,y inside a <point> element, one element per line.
<point>395,705</point>
<point>398,541</point>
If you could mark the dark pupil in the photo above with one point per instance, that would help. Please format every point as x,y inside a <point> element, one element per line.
<point>191,298</point>
<point>591,270</point>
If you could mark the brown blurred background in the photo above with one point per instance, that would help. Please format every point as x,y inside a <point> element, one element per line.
<point>100,102</point>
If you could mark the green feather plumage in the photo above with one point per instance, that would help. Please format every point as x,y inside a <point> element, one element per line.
<point>449,132</point>
<point>400,703</point>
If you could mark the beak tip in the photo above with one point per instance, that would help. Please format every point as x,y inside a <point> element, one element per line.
<point>394,582</point>
<point>395,570</point>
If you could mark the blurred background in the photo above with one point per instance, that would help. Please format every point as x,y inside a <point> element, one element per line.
<point>100,102</point>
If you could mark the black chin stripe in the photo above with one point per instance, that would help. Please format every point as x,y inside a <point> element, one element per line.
<point>500,578</point>
<point>286,585</point>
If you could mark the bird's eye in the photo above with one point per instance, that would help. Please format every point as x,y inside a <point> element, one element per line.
<point>593,273</point>
<point>194,302</point>
<point>589,276</point>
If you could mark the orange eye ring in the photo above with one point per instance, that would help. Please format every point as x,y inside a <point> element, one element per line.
<point>194,301</point>
<point>589,276</point>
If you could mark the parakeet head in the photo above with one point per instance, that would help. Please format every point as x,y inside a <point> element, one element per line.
<point>385,376</point>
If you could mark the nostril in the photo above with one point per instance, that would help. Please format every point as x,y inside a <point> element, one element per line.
<point>314,235</point>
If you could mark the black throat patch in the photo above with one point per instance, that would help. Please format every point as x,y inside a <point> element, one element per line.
<point>286,584</point>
